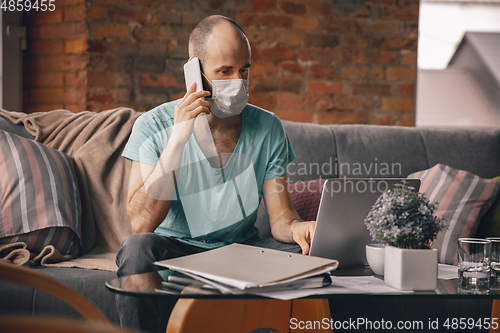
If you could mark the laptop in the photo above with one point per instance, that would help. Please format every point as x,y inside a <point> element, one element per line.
<point>340,231</point>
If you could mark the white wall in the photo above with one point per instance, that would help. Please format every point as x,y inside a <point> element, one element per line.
<point>1,58</point>
<point>443,24</point>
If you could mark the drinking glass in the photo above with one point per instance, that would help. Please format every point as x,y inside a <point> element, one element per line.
<point>495,264</point>
<point>474,265</point>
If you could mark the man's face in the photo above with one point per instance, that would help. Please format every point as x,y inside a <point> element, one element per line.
<point>228,55</point>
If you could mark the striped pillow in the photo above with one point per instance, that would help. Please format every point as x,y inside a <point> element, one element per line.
<point>40,200</point>
<point>306,197</point>
<point>462,199</point>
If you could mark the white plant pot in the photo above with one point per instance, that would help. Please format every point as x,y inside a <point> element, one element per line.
<point>375,255</point>
<point>411,269</point>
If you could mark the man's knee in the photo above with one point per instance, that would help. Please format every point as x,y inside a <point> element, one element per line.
<point>139,241</point>
<point>138,254</point>
<point>136,244</point>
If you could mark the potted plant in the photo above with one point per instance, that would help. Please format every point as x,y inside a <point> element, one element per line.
<point>404,221</point>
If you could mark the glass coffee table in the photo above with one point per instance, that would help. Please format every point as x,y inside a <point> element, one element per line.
<point>196,309</point>
<point>155,284</point>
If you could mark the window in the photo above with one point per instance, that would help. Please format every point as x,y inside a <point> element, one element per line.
<point>12,41</point>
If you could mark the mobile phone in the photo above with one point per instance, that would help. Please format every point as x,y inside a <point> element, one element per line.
<point>192,73</point>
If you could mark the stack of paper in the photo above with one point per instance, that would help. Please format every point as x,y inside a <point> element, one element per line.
<point>238,268</point>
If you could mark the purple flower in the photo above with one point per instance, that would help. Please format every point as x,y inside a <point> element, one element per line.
<point>403,218</point>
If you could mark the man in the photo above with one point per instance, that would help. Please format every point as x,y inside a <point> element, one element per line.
<point>201,164</point>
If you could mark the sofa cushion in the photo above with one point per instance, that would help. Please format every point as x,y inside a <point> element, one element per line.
<point>473,150</point>
<point>90,283</point>
<point>490,222</point>
<point>462,197</point>
<point>315,151</point>
<point>40,199</point>
<point>378,151</point>
<point>306,197</point>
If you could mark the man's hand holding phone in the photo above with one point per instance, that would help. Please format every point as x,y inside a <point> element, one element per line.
<point>191,106</point>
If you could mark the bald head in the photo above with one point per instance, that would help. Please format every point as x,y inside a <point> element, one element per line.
<point>209,31</point>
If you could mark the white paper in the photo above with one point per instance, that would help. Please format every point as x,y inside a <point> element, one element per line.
<point>447,272</point>
<point>355,285</point>
<point>340,285</point>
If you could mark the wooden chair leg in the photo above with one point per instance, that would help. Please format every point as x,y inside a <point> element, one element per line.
<point>312,312</point>
<point>229,315</point>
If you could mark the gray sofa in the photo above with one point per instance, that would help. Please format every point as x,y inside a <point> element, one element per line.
<point>414,149</point>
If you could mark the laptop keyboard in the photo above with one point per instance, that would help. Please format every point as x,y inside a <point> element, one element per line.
<point>353,271</point>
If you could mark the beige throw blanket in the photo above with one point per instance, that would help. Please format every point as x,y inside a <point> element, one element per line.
<point>95,141</point>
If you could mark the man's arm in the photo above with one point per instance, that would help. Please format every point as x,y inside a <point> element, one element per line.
<point>286,224</point>
<point>151,188</point>
<point>150,192</point>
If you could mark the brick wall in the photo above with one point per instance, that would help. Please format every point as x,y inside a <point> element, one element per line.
<point>56,60</point>
<point>330,61</point>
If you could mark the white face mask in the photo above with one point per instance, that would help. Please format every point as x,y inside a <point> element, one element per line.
<point>229,97</point>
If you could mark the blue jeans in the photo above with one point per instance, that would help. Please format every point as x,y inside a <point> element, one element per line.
<point>137,255</point>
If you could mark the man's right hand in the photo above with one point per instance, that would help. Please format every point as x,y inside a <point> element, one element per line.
<point>191,106</point>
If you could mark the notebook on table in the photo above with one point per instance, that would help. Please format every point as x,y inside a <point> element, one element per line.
<point>244,266</point>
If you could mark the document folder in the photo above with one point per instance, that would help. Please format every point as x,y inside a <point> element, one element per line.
<point>244,266</point>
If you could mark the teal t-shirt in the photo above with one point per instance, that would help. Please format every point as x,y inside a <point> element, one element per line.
<point>214,206</point>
